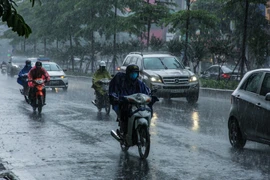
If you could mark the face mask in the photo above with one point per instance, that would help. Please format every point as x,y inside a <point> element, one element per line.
<point>28,65</point>
<point>102,68</point>
<point>133,75</point>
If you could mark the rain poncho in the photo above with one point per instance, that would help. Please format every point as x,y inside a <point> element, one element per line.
<point>99,74</point>
<point>120,86</point>
<point>21,80</point>
<point>37,73</point>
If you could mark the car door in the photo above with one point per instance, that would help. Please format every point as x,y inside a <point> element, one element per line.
<point>248,99</point>
<point>215,72</point>
<point>263,107</point>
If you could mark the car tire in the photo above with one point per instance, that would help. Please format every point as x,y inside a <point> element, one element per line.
<point>235,135</point>
<point>192,98</point>
<point>65,89</point>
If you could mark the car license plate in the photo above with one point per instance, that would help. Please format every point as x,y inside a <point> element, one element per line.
<point>54,82</point>
<point>177,90</point>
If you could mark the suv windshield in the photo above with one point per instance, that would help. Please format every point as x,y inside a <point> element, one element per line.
<point>153,63</point>
<point>51,67</point>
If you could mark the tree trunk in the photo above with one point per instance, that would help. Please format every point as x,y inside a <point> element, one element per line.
<point>45,46</point>
<point>71,50</point>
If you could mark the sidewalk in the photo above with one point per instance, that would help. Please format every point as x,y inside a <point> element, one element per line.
<point>215,93</point>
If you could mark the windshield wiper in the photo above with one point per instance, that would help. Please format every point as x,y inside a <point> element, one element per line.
<point>162,63</point>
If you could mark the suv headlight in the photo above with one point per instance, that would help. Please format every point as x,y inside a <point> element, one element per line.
<point>193,79</point>
<point>155,79</point>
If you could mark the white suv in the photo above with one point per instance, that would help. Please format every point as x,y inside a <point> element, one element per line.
<point>165,73</point>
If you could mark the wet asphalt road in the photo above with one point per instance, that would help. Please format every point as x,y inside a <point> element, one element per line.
<point>70,140</point>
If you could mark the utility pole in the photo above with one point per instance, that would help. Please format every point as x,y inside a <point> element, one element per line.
<point>185,60</point>
<point>114,37</point>
<point>243,55</point>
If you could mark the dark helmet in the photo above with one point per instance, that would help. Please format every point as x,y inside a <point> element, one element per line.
<point>28,62</point>
<point>132,71</point>
<point>38,64</point>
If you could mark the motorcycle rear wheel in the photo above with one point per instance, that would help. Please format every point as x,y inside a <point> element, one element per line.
<point>144,145</point>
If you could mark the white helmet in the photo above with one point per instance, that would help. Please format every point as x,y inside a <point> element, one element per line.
<point>102,63</point>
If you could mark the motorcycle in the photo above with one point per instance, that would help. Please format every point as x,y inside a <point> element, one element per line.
<point>25,90</point>
<point>138,125</point>
<point>102,101</point>
<point>37,100</point>
<point>4,69</point>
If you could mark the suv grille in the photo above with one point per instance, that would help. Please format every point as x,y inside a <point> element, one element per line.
<point>176,80</point>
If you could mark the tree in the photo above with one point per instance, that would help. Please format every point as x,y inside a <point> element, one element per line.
<point>144,13</point>
<point>250,25</point>
<point>14,20</point>
<point>187,21</point>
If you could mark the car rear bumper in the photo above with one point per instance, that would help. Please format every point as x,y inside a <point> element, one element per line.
<point>175,91</point>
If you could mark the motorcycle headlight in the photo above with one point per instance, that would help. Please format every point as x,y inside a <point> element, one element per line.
<point>193,79</point>
<point>155,79</point>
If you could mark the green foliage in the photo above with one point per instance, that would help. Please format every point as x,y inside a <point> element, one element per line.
<point>175,47</point>
<point>221,84</point>
<point>156,44</point>
<point>14,20</point>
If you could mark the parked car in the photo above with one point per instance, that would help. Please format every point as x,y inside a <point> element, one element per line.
<point>15,64</point>
<point>249,117</point>
<point>165,73</point>
<point>220,72</point>
<point>57,74</point>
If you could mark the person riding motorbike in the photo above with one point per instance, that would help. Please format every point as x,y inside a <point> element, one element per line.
<point>98,75</point>
<point>22,76</point>
<point>37,72</point>
<point>121,85</point>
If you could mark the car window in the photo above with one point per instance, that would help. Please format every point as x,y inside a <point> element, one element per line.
<point>51,67</point>
<point>127,61</point>
<point>226,69</point>
<point>133,60</point>
<point>252,83</point>
<point>16,59</point>
<point>161,63</point>
<point>139,62</point>
<point>265,85</point>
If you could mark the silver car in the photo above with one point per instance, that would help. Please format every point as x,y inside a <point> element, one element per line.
<point>57,75</point>
<point>249,117</point>
<point>165,73</point>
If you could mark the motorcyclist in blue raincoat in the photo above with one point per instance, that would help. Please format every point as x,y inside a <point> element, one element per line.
<point>22,76</point>
<point>124,84</point>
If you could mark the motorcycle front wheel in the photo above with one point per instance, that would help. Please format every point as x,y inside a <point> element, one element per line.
<point>144,139</point>
<point>40,104</point>
<point>26,99</point>
<point>107,108</point>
